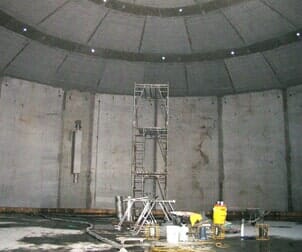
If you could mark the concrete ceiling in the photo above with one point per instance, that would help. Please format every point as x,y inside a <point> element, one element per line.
<point>186,43</point>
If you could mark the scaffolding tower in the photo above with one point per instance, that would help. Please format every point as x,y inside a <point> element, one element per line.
<point>150,140</point>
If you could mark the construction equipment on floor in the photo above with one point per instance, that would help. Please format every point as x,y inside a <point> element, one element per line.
<point>145,216</point>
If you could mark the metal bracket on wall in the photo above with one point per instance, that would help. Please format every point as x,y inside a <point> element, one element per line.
<point>77,151</point>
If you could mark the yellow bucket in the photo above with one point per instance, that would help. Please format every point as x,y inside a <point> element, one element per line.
<point>219,214</point>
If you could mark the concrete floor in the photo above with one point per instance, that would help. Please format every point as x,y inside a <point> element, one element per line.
<point>39,233</point>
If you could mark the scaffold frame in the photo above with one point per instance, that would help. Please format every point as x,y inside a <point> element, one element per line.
<point>159,95</point>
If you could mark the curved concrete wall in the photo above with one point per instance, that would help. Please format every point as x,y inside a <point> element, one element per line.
<point>244,148</point>
<point>30,138</point>
<point>255,171</point>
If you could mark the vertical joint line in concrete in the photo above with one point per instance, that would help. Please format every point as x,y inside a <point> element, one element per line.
<point>142,35</point>
<point>53,12</point>
<point>220,148</point>
<point>229,76</point>
<point>271,67</point>
<point>90,135</point>
<point>99,82</point>
<point>97,149</point>
<point>98,85</point>
<point>279,13</point>
<point>64,101</point>
<point>101,77</point>
<point>188,35</point>
<point>13,59</point>
<point>60,65</point>
<point>287,151</point>
<point>98,25</point>
<point>233,26</point>
<point>61,151</point>
<point>186,79</point>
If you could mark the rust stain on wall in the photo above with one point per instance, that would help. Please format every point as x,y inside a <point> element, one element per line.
<point>203,136</point>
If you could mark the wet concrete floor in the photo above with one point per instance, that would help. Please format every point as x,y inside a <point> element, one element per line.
<point>20,232</point>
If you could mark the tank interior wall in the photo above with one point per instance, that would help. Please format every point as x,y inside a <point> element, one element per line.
<point>112,138</point>
<point>244,148</point>
<point>294,110</point>
<point>193,170</point>
<point>255,172</point>
<point>30,138</point>
<point>77,107</point>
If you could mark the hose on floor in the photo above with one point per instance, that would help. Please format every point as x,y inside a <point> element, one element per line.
<point>89,230</point>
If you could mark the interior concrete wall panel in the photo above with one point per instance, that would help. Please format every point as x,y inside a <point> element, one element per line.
<point>150,113</point>
<point>75,21</point>
<point>112,160</point>
<point>291,9</point>
<point>294,98</point>
<point>208,78</point>
<point>119,31</point>
<point>36,62</point>
<point>206,32</point>
<point>31,11</point>
<point>251,71</point>
<point>165,35</point>
<point>80,70</point>
<point>120,75</point>
<point>255,21</point>
<point>10,45</point>
<point>286,61</point>
<point>78,106</point>
<point>30,137</point>
<point>167,73</point>
<point>164,4</point>
<point>255,173</point>
<point>193,153</point>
